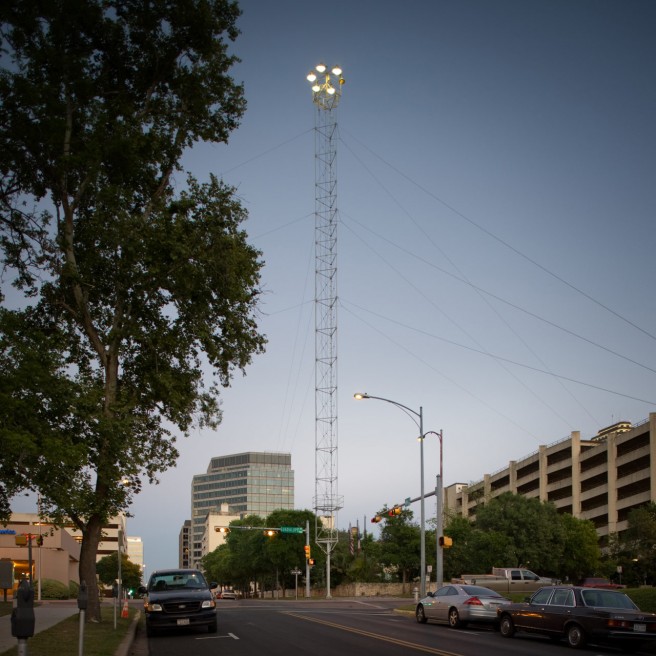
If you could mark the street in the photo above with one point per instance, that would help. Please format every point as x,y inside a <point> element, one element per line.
<point>340,627</point>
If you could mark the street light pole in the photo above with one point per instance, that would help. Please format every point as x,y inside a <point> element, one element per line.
<point>420,423</point>
<point>422,557</point>
<point>439,525</point>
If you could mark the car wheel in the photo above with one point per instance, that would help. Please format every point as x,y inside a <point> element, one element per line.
<point>420,615</point>
<point>575,636</point>
<point>213,627</point>
<point>454,619</point>
<point>506,627</point>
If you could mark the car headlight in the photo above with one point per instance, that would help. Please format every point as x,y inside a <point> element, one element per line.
<point>209,603</point>
<point>152,608</point>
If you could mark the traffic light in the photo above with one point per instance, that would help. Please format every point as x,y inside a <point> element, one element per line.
<point>222,529</point>
<point>39,541</point>
<point>394,511</point>
<point>311,562</point>
<point>269,532</point>
<point>307,551</point>
<point>376,519</point>
<point>445,541</point>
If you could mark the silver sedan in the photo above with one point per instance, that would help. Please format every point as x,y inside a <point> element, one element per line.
<point>456,605</point>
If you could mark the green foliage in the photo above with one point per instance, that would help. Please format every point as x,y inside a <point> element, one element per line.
<point>365,565</point>
<point>400,544</point>
<point>643,598</point>
<point>134,285</point>
<point>107,570</point>
<point>73,589</point>
<point>535,533</point>
<point>51,589</point>
<point>513,531</point>
<point>248,555</point>
<point>634,551</point>
<point>581,555</point>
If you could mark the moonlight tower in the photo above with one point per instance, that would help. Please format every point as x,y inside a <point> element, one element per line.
<point>326,94</point>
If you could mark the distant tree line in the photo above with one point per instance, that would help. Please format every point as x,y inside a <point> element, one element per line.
<point>509,531</point>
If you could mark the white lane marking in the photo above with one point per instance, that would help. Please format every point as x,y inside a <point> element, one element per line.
<point>216,637</point>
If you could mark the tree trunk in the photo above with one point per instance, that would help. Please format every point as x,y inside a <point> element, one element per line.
<point>88,551</point>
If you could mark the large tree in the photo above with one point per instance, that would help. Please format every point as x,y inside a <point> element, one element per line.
<point>131,574</point>
<point>249,554</point>
<point>134,283</point>
<point>533,529</point>
<point>513,531</point>
<point>400,544</point>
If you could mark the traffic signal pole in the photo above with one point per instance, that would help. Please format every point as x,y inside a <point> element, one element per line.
<point>307,560</point>
<point>439,556</point>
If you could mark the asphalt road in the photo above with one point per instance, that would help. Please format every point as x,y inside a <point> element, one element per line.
<point>338,627</point>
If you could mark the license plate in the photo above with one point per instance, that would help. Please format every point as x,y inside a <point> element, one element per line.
<point>183,622</point>
<point>640,628</point>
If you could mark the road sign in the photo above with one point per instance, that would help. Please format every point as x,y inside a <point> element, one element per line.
<point>407,502</point>
<point>291,529</point>
<point>296,572</point>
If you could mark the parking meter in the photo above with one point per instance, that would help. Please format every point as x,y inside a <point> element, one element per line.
<point>83,596</point>
<point>22,617</point>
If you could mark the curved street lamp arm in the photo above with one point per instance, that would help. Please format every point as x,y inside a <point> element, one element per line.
<point>408,411</point>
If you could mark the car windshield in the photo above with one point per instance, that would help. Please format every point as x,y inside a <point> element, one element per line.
<point>176,580</point>
<point>479,591</point>
<point>607,599</point>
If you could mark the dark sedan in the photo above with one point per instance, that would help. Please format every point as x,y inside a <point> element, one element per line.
<point>581,615</point>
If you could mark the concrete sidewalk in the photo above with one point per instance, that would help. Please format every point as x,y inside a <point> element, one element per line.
<point>46,614</point>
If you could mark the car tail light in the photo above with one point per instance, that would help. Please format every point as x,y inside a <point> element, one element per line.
<point>619,624</point>
<point>473,601</point>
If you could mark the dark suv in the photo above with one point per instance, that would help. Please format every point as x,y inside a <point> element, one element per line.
<point>178,597</point>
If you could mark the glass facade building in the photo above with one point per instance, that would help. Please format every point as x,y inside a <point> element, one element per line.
<point>253,483</point>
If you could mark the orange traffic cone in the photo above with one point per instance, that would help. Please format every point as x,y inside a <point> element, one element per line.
<point>124,612</point>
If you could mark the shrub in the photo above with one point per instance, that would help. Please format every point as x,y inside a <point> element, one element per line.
<point>644,598</point>
<point>51,589</point>
<point>73,589</point>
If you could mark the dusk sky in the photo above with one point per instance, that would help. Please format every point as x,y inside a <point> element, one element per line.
<point>496,176</point>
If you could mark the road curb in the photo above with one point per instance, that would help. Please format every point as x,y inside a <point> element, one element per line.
<point>124,647</point>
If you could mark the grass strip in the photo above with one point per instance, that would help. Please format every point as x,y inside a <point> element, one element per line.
<point>100,638</point>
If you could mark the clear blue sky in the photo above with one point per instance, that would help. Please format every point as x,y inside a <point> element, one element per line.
<point>497,194</point>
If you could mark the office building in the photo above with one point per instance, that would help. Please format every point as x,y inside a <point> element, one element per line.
<point>136,553</point>
<point>252,483</point>
<point>184,545</point>
<point>56,549</point>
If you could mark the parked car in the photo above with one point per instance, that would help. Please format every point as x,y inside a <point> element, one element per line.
<point>456,605</point>
<point>595,582</point>
<point>176,598</point>
<point>581,615</point>
<point>226,594</point>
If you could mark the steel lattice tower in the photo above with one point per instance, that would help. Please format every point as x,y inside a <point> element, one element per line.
<point>326,94</point>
